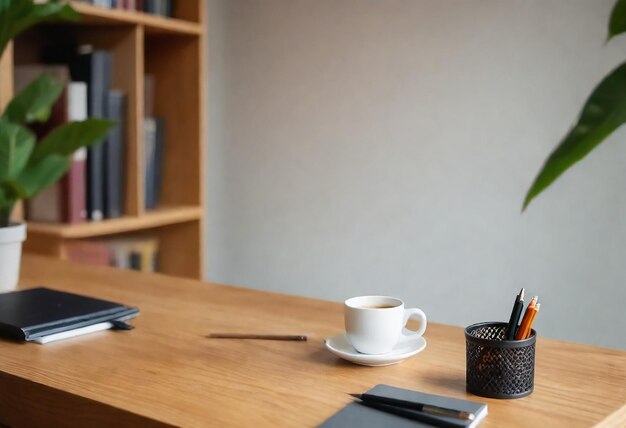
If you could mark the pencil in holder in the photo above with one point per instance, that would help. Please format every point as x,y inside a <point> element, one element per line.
<point>499,368</point>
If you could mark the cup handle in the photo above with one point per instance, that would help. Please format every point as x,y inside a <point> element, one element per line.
<point>417,314</point>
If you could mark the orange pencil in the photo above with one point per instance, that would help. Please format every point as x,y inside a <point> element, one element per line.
<point>526,320</point>
<point>532,319</point>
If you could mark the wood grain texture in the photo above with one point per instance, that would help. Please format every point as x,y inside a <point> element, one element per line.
<point>616,419</point>
<point>51,246</point>
<point>56,404</point>
<point>166,371</point>
<point>95,15</point>
<point>159,217</point>
<point>178,253</point>
<point>175,64</point>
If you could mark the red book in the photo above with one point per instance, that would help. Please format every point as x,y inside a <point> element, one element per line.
<point>73,186</point>
<point>74,183</point>
<point>88,252</point>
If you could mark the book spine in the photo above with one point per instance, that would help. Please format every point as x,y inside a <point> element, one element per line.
<point>157,179</point>
<point>74,182</point>
<point>92,253</point>
<point>150,6</point>
<point>73,185</point>
<point>149,146</point>
<point>160,7</point>
<point>99,84</point>
<point>114,155</point>
<point>134,260</point>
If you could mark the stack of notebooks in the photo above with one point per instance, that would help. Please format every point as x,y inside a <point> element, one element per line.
<point>156,7</point>
<point>136,253</point>
<point>94,187</point>
<point>357,414</point>
<point>43,315</point>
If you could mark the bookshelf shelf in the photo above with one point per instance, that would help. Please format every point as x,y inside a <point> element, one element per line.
<point>160,217</point>
<point>172,51</point>
<point>95,15</point>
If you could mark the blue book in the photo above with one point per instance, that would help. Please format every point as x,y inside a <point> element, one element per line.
<point>95,68</point>
<point>114,148</point>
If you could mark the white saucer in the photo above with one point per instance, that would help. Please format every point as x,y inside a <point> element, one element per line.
<point>341,347</point>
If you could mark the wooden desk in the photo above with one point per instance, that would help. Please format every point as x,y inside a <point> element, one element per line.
<point>164,372</point>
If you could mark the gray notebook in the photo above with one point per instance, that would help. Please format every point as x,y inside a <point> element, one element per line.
<point>358,415</point>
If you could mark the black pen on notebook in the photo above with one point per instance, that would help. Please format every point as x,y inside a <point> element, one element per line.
<point>414,405</point>
<point>515,314</point>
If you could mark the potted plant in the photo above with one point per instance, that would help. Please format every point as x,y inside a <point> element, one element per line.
<point>602,114</point>
<point>28,166</point>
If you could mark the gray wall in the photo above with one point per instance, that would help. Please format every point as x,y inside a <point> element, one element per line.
<point>361,147</point>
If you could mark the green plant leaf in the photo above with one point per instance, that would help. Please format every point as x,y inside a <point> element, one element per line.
<point>68,138</point>
<point>18,15</point>
<point>37,176</point>
<point>617,21</point>
<point>6,207</point>
<point>603,113</point>
<point>35,101</point>
<point>16,145</point>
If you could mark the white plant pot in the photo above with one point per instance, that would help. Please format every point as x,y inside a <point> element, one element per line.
<point>11,239</point>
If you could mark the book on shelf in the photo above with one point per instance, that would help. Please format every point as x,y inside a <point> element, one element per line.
<point>153,144</point>
<point>64,201</point>
<point>94,253</point>
<point>158,7</point>
<point>105,161</point>
<point>94,67</point>
<point>136,253</point>
<point>114,155</point>
<point>148,95</point>
<point>155,7</point>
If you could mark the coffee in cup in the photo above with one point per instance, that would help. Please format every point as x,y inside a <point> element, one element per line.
<point>375,324</point>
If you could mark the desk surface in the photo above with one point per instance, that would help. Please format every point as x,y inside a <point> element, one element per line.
<point>165,373</point>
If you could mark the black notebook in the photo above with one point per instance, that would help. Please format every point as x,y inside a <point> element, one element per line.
<point>38,312</point>
<point>358,415</point>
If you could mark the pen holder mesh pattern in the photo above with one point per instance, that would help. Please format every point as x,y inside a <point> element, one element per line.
<point>499,368</point>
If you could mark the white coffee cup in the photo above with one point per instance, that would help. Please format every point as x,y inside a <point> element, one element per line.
<point>375,324</point>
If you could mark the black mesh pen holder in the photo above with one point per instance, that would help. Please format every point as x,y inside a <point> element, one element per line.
<point>499,368</point>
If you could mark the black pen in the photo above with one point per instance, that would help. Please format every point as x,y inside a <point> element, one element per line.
<point>515,314</point>
<point>415,405</point>
<point>414,415</point>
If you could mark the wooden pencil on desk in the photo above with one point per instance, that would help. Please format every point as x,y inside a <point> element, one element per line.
<point>287,337</point>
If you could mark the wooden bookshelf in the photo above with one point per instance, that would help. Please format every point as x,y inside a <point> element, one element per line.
<point>174,51</point>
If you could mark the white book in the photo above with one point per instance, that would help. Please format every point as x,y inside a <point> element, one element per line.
<point>77,110</point>
<point>73,333</point>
